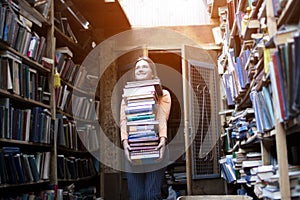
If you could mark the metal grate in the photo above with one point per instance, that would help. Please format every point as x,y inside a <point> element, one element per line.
<point>204,120</point>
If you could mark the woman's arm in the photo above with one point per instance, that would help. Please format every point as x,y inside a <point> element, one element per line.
<point>163,111</point>
<point>124,134</point>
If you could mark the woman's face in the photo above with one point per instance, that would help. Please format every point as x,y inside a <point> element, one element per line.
<point>142,71</point>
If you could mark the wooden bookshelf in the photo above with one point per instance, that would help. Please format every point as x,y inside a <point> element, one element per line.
<point>273,142</point>
<point>31,94</point>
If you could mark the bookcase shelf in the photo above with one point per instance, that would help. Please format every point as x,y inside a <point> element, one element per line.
<point>64,40</point>
<point>83,179</point>
<point>290,14</point>
<point>24,58</point>
<point>22,186</point>
<point>32,14</point>
<point>34,99</point>
<point>273,135</point>
<point>25,144</point>
<point>16,97</point>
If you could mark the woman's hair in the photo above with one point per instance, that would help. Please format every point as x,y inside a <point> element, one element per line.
<point>151,63</point>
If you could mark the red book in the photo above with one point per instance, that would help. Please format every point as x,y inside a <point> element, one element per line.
<point>279,84</point>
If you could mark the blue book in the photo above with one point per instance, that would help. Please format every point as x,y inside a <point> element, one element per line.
<point>33,167</point>
<point>11,150</point>
<point>268,100</point>
<point>141,117</point>
<point>11,168</point>
<point>21,176</point>
<point>2,17</point>
<point>2,121</point>
<point>35,114</point>
<point>296,91</point>
<point>139,109</point>
<point>7,23</point>
<point>3,171</point>
<point>239,70</point>
<point>61,166</point>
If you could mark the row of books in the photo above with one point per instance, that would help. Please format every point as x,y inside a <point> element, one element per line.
<point>44,194</point>
<point>245,162</point>
<point>15,30</point>
<point>267,183</point>
<point>72,73</point>
<point>31,125</point>
<point>76,136</point>
<point>21,79</point>
<point>284,73</point>
<point>78,105</point>
<point>74,168</point>
<point>88,192</point>
<point>16,167</point>
<point>142,126</point>
<point>241,128</point>
<point>63,24</point>
<point>42,6</point>
<point>66,67</point>
<point>236,79</point>
<point>263,109</point>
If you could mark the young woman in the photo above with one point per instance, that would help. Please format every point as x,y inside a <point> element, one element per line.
<point>144,182</point>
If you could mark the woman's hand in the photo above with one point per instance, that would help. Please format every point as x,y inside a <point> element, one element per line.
<point>161,147</point>
<point>126,150</point>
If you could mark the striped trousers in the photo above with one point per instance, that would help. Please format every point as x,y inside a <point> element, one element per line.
<point>145,186</point>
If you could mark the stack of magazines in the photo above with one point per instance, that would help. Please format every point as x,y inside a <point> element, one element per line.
<point>142,127</point>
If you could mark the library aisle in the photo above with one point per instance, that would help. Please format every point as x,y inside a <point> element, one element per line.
<point>232,68</point>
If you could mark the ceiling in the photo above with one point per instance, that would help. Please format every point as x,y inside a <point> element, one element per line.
<point>106,19</point>
<point>109,19</point>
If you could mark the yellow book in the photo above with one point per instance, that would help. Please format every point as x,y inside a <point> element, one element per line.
<point>267,59</point>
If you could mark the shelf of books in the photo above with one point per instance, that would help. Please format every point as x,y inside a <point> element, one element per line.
<point>77,113</point>
<point>259,73</point>
<point>26,138</point>
<point>41,148</point>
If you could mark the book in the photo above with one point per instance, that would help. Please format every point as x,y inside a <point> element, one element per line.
<point>148,139</point>
<point>3,170</point>
<point>139,134</point>
<point>139,117</point>
<point>229,85</point>
<point>140,109</point>
<point>139,92</point>
<point>43,6</point>
<point>64,50</point>
<point>155,82</point>
<point>11,168</point>
<point>26,168</point>
<point>66,28</point>
<point>2,21</point>
<point>144,143</point>
<point>142,127</point>
<point>33,167</point>
<point>144,154</point>
<point>265,171</point>
<point>279,77</point>
<point>296,77</point>
<point>21,176</point>
<point>251,163</point>
<point>227,170</point>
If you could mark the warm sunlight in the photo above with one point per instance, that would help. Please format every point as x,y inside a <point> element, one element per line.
<point>143,13</point>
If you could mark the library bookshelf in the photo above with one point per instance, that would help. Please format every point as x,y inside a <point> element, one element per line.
<point>260,119</point>
<point>40,151</point>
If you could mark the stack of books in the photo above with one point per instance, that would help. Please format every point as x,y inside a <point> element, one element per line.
<point>142,127</point>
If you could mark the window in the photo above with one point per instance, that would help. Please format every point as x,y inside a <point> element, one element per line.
<point>149,13</point>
